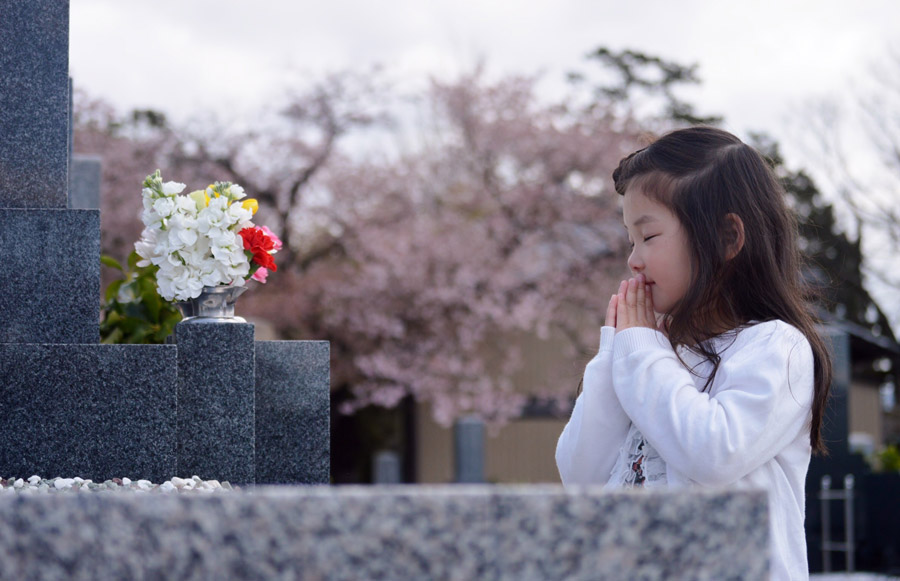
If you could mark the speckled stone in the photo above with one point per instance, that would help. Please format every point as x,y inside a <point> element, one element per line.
<point>216,425</point>
<point>84,181</point>
<point>93,411</point>
<point>293,418</point>
<point>50,278</point>
<point>409,533</point>
<point>34,103</point>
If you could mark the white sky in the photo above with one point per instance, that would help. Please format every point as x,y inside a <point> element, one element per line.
<point>761,62</point>
<point>758,59</point>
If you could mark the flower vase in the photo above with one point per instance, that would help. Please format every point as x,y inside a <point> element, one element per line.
<point>214,305</point>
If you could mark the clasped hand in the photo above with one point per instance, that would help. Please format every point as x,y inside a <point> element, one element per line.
<point>632,306</point>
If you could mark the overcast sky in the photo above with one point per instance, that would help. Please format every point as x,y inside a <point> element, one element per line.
<point>759,60</point>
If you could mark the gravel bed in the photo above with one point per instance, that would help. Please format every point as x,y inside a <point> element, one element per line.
<point>37,485</point>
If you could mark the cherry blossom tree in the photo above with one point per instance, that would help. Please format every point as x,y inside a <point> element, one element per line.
<point>423,266</point>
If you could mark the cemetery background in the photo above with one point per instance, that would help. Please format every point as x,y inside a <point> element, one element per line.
<point>507,153</point>
<point>496,408</point>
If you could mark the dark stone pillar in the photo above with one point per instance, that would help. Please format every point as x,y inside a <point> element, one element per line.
<point>216,423</point>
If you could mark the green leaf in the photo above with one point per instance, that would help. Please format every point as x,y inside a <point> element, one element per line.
<point>111,262</point>
<point>112,291</point>
<point>133,259</point>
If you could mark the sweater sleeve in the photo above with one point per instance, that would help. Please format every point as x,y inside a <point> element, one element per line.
<point>761,400</point>
<point>590,442</point>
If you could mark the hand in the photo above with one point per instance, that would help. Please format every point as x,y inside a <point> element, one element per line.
<point>634,305</point>
<point>613,303</point>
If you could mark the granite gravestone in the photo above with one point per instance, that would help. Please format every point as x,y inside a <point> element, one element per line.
<point>72,407</point>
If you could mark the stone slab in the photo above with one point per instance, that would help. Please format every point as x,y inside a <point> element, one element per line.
<point>293,412</point>
<point>50,276</point>
<point>216,425</point>
<point>84,181</point>
<point>34,103</point>
<point>457,532</point>
<point>94,411</point>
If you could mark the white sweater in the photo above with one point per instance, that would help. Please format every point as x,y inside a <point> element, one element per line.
<point>750,429</point>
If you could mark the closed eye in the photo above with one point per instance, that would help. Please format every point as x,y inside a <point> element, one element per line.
<point>650,237</point>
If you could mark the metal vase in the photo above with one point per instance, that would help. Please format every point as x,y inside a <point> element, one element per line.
<point>214,305</point>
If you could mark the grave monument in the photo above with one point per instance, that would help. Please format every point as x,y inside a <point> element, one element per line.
<point>216,404</point>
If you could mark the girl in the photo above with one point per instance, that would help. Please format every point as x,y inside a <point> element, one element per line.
<point>710,370</point>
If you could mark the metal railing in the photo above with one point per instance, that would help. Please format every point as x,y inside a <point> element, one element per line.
<point>826,494</point>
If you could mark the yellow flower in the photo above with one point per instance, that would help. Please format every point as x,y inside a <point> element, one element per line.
<point>250,204</point>
<point>200,198</point>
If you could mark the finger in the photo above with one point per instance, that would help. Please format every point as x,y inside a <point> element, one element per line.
<point>621,314</point>
<point>651,314</point>
<point>611,311</point>
<point>631,295</point>
<point>640,297</point>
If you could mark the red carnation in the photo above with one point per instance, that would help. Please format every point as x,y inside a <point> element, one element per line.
<point>259,244</point>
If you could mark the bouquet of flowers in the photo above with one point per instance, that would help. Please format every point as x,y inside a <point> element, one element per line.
<point>205,238</point>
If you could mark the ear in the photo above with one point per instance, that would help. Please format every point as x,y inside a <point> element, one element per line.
<point>733,235</point>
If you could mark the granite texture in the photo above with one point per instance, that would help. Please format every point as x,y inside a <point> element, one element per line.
<point>34,103</point>
<point>409,533</point>
<point>84,182</point>
<point>216,425</point>
<point>293,412</point>
<point>93,411</point>
<point>50,276</point>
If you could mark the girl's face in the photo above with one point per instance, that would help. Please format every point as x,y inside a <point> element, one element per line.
<point>660,249</point>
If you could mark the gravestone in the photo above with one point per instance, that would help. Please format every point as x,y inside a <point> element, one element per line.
<point>468,450</point>
<point>70,406</point>
<point>34,101</point>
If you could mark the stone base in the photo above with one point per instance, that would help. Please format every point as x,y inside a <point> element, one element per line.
<point>293,412</point>
<point>455,532</point>
<point>94,411</point>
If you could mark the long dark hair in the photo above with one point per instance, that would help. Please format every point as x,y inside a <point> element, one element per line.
<point>702,174</point>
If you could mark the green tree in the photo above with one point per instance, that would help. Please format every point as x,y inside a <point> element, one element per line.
<point>634,79</point>
<point>835,260</point>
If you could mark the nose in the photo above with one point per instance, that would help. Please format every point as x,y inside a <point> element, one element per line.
<point>635,263</point>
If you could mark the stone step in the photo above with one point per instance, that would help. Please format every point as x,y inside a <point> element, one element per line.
<point>94,411</point>
<point>50,278</point>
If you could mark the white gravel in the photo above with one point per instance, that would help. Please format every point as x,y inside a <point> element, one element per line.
<point>35,485</point>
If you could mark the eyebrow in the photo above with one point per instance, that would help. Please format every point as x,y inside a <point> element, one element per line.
<point>642,220</point>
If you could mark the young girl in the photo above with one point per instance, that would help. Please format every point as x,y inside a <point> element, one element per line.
<point>710,370</point>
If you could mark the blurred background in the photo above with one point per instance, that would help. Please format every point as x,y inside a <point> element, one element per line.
<point>440,174</point>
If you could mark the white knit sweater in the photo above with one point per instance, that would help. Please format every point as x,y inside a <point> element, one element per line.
<point>643,419</point>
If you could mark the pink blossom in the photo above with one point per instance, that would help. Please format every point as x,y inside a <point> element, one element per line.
<point>271,236</point>
<point>261,274</point>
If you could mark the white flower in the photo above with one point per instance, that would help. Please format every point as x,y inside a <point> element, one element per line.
<point>164,206</point>
<point>237,192</point>
<point>239,214</point>
<point>186,206</point>
<point>172,188</point>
